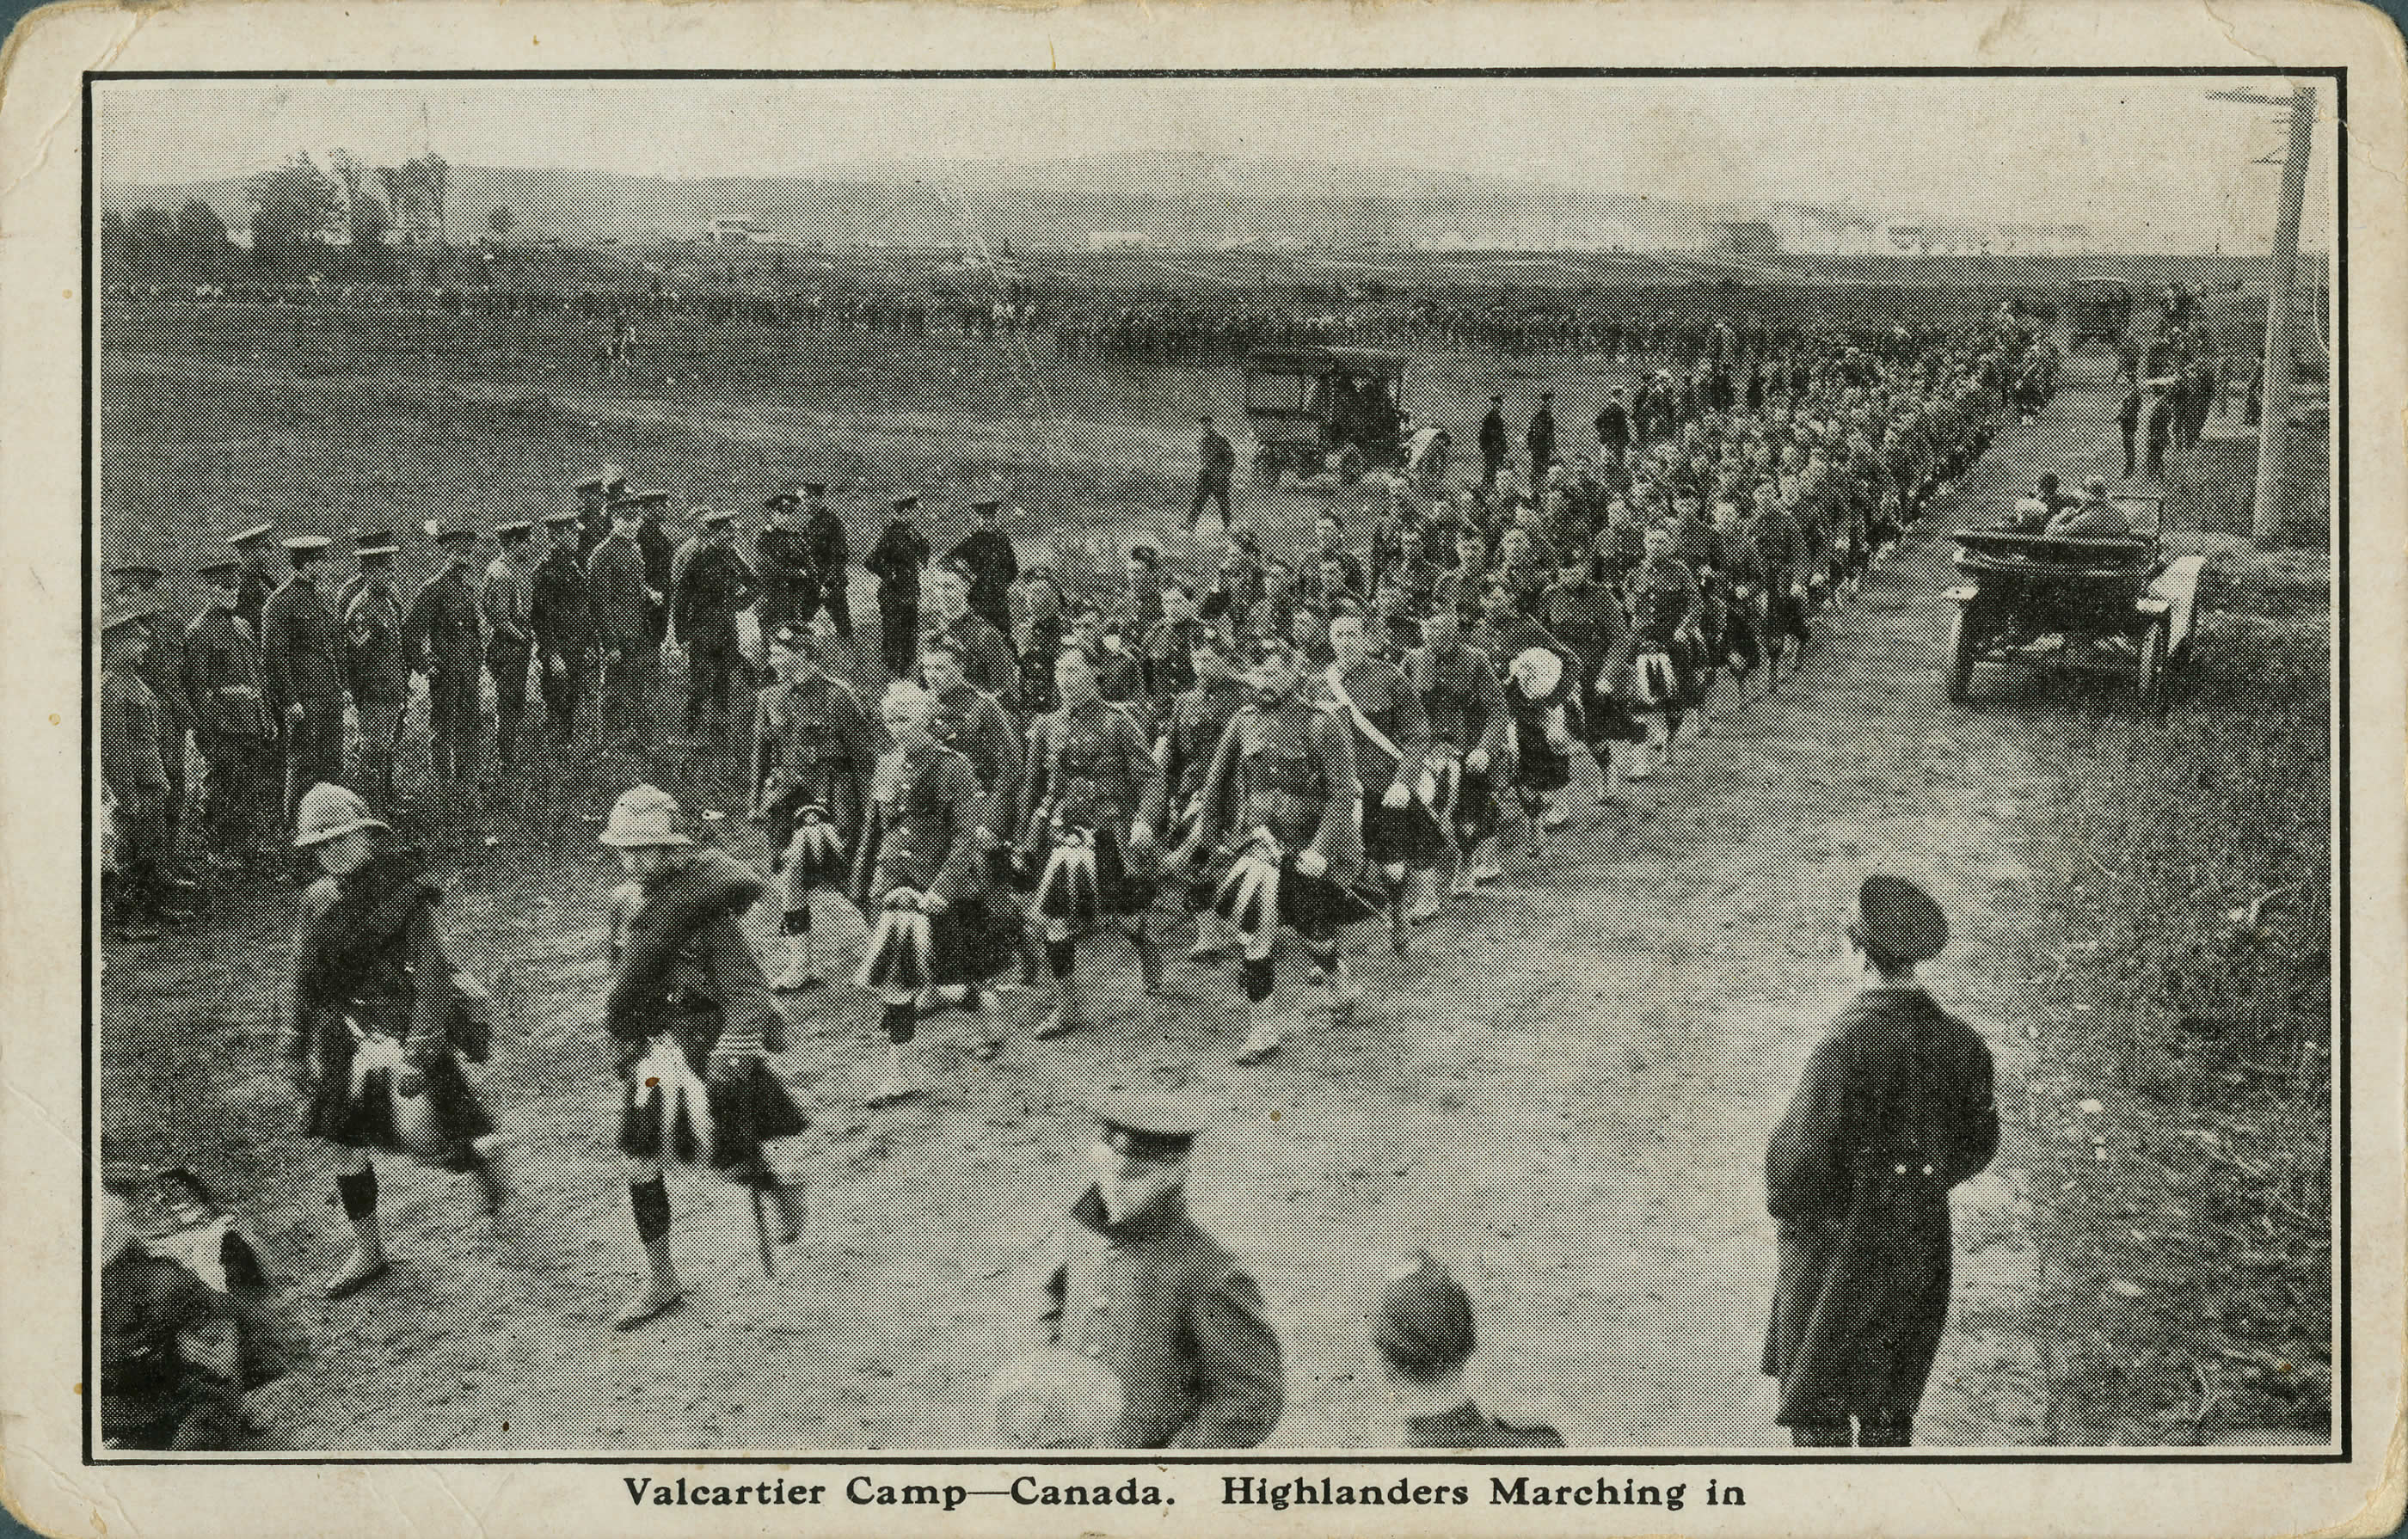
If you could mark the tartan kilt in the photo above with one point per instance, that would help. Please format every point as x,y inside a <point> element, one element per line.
<point>966,944</point>
<point>1080,892</point>
<point>669,1109</point>
<point>1406,835</point>
<point>839,799</point>
<point>1784,619</point>
<point>1310,905</point>
<point>354,1103</point>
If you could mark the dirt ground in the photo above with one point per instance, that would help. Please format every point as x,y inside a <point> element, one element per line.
<point>1565,1093</point>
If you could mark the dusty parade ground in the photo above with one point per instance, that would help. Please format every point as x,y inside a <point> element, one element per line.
<point>1565,1092</point>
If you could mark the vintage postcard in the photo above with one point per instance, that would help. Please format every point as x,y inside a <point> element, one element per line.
<point>1445,770</point>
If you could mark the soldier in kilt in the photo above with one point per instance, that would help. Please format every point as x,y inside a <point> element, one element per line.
<point>1543,712</point>
<point>1465,706</point>
<point>692,1018</point>
<point>1664,620</point>
<point>1278,818</point>
<point>1090,801</point>
<point>975,725</point>
<point>375,1020</point>
<point>916,870</point>
<point>1391,740</point>
<point>813,754</point>
<point>1739,576</point>
<point>1189,737</point>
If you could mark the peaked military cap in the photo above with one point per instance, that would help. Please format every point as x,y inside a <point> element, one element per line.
<point>1898,921</point>
<point>1151,1124</point>
<point>714,515</point>
<point>251,536</point>
<point>306,545</point>
<point>517,529</point>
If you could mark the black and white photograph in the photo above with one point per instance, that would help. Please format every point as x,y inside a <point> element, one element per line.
<point>1092,767</point>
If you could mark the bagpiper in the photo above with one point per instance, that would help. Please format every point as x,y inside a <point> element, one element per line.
<point>813,754</point>
<point>693,1020</point>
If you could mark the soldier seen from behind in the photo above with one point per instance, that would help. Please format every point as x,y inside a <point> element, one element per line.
<point>1424,1336</point>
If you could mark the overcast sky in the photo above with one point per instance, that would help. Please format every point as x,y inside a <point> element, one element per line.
<point>2154,162</point>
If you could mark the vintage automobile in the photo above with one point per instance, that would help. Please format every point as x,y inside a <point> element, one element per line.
<point>2112,604</point>
<point>1337,411</point>
<point>2102,307</point>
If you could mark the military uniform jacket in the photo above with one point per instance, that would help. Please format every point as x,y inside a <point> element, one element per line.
<point>373,663</point>
<point>1089,767</point>
<point>1289,768</point>
<point>443,634</point>
<point>164,670</point>
<point>1389,702</point>
<point>683,965</point>
<point>896,562</point>
<point>1895,1107</point>
<point>1663,601</point>
<point>1464,1427</point>
<point>1780,546</point>
<point>923,830</point>
<point>830,548</point>
<point>222,676</point>
<point>614,585</point>
<point>808,732</point>
<point>1169,663</point>
<point>250,599</point>
<point>559,611</point>
<point>1180,1323</point>
<point>988,661</point>
<point>708,583</point>
<point>1198,720</point>
<point>660,570</point>
<point>974,725</point>
<point>788,577</point>
<point>298,652</point>
<point>1588,617</point>
<point>1463,701</point>
<point>129,738</point>
<point>503,601</point>
<point>994,566</point>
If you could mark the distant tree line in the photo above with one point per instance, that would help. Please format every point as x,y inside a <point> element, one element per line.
<point>308,222</point>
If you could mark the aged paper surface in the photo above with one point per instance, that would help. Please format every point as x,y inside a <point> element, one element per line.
<point>302,1240</point>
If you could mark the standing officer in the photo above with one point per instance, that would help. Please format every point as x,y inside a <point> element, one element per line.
<point>507,606</point>
<point>1424,1336</point>
<point>1495,443</point>
<point>230,717</point>
<point>790,584</point>
<point>163,668</point>
<point>896,562</point>
<point>988,661</point>
<point>708,585</point>
<point>136,780</point>
<point>1139,1287</point>
<point>1539,438</point>
<point>1614,429</point>
<point>1216,467</point>
<point>300,657</point>
<point>258,575</point>
<point>660,560</point>
<point>443,640</point>
<point>2128,418</point>
<point>594,495</point>
<point>986,556</point>
<point>562,619</point>
<point>1893,1110</point>
<point>622,637</point>
<point>375,667</point>
<point>831,552</point>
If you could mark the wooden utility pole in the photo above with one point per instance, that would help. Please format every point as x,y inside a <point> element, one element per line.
<point>2269,521</point>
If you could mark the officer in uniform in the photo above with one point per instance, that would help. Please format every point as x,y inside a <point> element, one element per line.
<point>1216,467</point>
<point>1391,736</point>
<point>660,560</point>
<point>1895,1107</point>
<point>1425,1336</point>
<point>1496,441</point>
<point>1092,798</point>
<point>917,866</point>
<point>561,616</point>
<point>1280,807</point>
<point>814,750</point>
<point>258,575</point>
<point>136,781</point>
<point>790,583</point>
<point>1138,1287</point>
<point>375,667</point>
<point>300,659</point>
<point>138,587</point>
<point>443,639</point>
<point>229,717</point>
<point>594,495</point>
<point>975,725</point>
<point>1190,736</point>
<point>1165,652</point>
<point>988,661</point>
<point>896,561</point>
<point>986,558</point>
<point>623,639</point>
<point>831,552</point>
<point>509,646</point>
<point>708,585</point>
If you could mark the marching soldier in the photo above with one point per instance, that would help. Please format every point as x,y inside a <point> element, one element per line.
<point>988,661</point>
<point>561,616</point>
<point>1894,1109</point>
<point>136,782</point>
<point>790,584</point>
<point>917,865</point>
<point>1091,797</point>
<point>1586,616</point>
<point>510,647</point>
<point>813,751</point>
<point>1216,467</point>
<point>1391,741</point>
<point>163,669</point>
<point>1425,1336</point>
<point>693,1020</point>
<point>369,1029</point>
<point>229,717</point>
<point>1166,649</point>
<point>975,725</point>
<point>831,553</point>
<point>1191,734</point>
<point>1279,805</point>
<point>896,561</point>
<point>986,558</point>
<point>1138,1287</point>
<point>622,639</point>
<point>443,640</point>
<point>708,585</point>
<point>258,575</point>
<point>300,659</point>
<point>375,667</point>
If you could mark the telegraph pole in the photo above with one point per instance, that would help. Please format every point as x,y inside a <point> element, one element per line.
<point>2268,523</point>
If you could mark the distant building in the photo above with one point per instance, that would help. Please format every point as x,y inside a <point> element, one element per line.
<point>1750,238</point>
<point>1117,240</point>
<point>741,232</point>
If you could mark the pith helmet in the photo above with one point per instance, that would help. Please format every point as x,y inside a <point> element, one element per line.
<point>642,817</point>
<point>329,811</point>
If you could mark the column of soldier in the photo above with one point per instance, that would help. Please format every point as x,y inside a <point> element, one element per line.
<point>1289,745</point>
